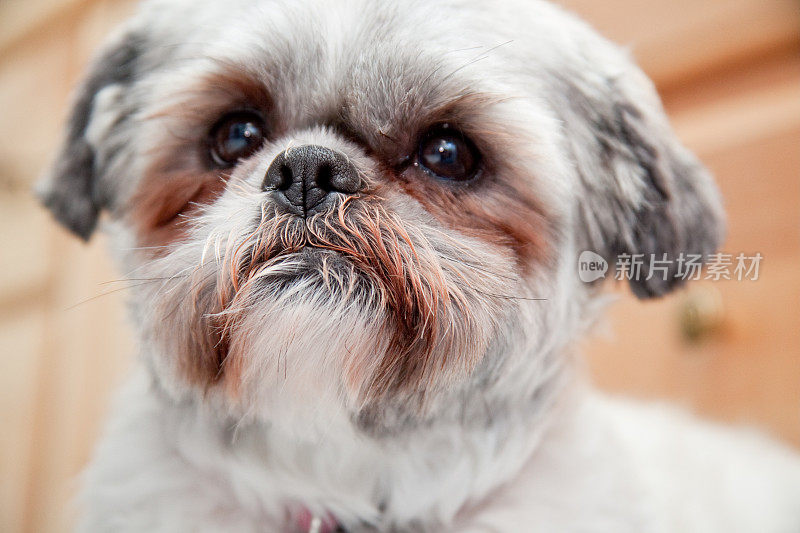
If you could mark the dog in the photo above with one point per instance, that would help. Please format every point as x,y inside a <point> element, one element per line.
<point>351,231</point>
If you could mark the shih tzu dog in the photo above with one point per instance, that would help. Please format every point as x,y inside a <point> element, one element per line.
<point>351,230</point>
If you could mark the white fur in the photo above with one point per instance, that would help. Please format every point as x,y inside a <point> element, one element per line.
<point>603,465</point>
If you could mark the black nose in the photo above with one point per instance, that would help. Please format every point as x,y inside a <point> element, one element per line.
<point>303,178</point>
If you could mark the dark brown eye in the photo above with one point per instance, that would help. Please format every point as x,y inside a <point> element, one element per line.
<point>236,136</point>
<point>446,153</point>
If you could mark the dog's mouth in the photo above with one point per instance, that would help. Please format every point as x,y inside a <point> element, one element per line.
<point>317,267</point>
<point>350,240</point>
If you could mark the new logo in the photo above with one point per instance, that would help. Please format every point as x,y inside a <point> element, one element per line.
<point>591,266</point>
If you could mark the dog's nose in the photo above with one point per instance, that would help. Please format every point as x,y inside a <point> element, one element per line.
<point>305,177</point>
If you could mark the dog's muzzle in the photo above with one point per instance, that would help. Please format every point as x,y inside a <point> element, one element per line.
<point>305,180</point>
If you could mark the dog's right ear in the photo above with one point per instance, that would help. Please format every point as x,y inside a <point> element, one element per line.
<point>73,189</point>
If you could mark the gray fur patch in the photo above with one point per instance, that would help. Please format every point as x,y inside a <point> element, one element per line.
<point>72,194</point>
<point>621,148</point>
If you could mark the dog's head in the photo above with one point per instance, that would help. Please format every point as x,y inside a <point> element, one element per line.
<point>361,204</point>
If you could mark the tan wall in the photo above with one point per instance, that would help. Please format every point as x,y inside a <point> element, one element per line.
<point>729,71</point>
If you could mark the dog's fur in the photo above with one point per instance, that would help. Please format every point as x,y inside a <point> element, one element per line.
<point>402,362</point>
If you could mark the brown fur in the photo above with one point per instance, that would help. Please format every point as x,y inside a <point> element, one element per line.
<point>182,177</point>
<point>497,212</point>
<point>166,201</point>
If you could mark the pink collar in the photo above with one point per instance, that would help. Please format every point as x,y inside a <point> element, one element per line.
<point>307,522</point>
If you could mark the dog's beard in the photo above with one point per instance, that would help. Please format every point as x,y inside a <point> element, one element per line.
<point>357,296</point>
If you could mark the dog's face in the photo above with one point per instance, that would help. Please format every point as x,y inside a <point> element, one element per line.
<point>345,206</point>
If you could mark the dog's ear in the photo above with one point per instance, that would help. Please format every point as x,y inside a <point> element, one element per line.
<point>72,188</point>
<point>641,192</point>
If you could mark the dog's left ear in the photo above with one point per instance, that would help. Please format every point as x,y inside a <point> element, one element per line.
<point>73,189</point>
<point>641,192</point>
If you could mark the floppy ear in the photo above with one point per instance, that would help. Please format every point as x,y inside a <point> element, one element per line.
<point>72,188</point>
<point>642,191</point>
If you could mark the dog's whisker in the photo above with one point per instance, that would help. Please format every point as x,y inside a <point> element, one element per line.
<point>108,293</point>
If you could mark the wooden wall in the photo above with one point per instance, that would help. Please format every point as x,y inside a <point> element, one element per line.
<point>62,347</point>
<point>729,72</point>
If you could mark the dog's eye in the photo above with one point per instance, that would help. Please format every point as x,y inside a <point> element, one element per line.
<point>236,136</point>
<point>448,154</point>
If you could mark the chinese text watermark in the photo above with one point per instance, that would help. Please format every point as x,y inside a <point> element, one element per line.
<point>644,267</point>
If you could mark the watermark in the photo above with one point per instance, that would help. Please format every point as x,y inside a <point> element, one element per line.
<point>591,266</point>
<point>644,267</point>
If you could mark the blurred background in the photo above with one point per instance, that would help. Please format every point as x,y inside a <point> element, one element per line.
<point>729,74</point>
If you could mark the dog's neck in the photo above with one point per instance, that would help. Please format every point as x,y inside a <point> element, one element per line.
<point>423,473</point>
